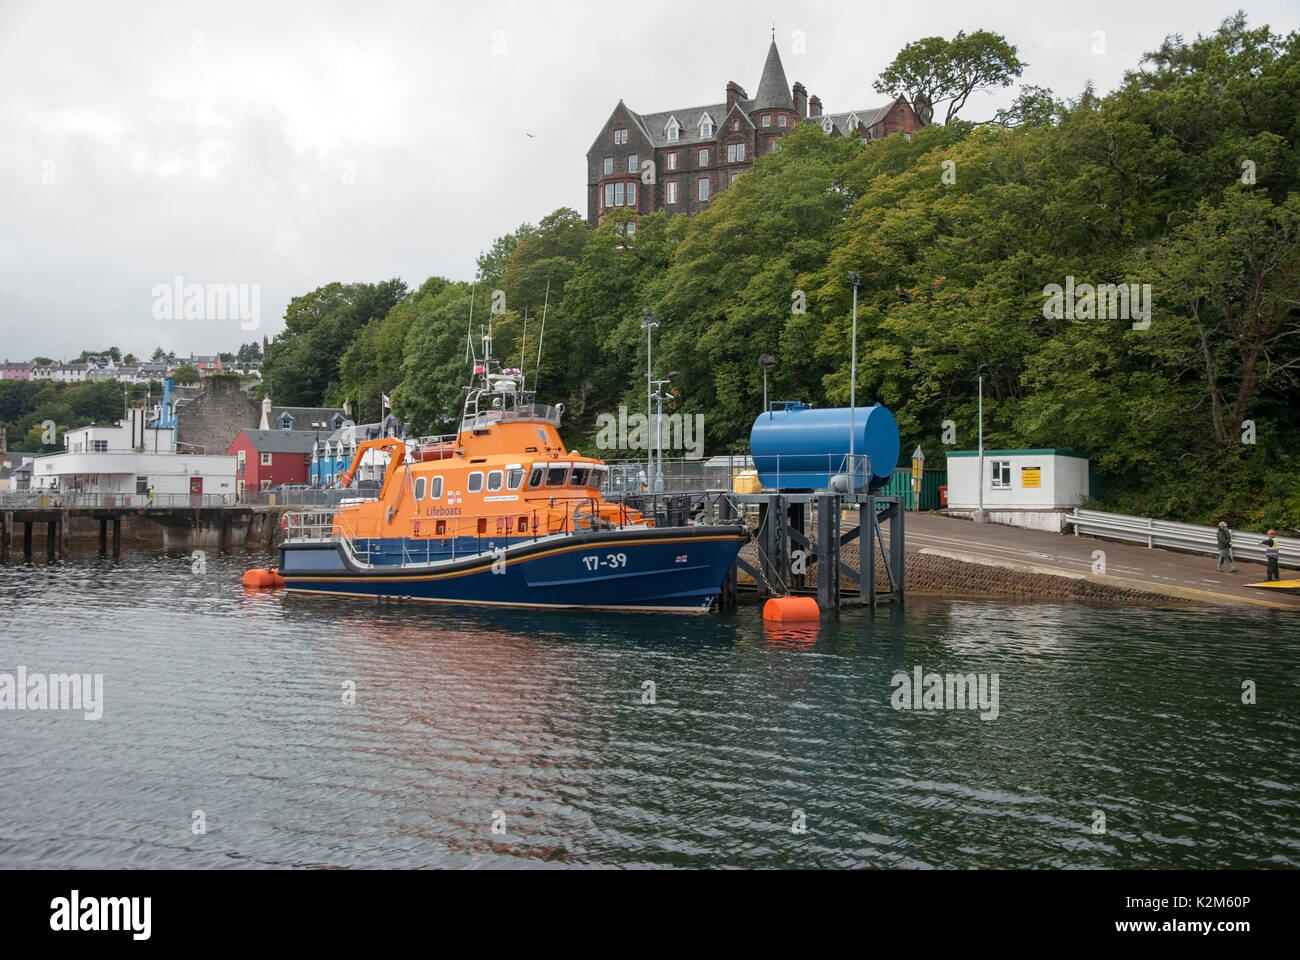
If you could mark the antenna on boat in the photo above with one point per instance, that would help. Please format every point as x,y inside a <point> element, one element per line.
<point>523,341</point>
<point>537,371</point>
<point>469,331</point>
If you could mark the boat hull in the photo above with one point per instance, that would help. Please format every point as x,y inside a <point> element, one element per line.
<point>643,569</point>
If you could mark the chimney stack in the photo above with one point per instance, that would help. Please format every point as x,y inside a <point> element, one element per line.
<point>734,92</point>
<point>800,100</point>
<point>815,106</point>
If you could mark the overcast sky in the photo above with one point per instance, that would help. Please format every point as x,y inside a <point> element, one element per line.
<point>288,145</point>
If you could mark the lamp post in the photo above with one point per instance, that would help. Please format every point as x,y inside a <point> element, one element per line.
<point>765,363</point>
<point>980,516</point>
<point>853,384</point>
<point>649,324</point>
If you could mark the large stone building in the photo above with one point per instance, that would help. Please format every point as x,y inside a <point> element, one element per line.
<point>678,160</point>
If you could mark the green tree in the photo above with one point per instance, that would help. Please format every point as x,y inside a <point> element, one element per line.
<point>933,71</point>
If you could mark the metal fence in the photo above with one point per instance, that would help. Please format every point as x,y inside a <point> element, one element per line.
<point>724,473</point>
<point>67,499</point>
<point>1180,536</point>
<point>304,496</point>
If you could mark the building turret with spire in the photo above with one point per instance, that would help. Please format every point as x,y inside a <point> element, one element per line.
<point>679,160</point>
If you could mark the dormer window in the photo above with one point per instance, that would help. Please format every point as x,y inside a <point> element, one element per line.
<point>853,121</point>
<point>673,129</point>
<point>336,422</point>
<point>706,126</point>
<point>286,422</point>
<point>827,125</point>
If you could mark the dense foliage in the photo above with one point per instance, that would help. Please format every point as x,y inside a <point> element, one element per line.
<point>1186,179</point>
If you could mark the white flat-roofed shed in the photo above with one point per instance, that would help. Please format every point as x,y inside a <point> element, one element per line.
<point>1023,488</point>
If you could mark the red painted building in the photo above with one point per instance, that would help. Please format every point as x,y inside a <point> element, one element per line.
<point>267,458</point>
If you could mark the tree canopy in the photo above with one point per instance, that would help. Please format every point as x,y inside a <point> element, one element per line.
<point>1182,187</point>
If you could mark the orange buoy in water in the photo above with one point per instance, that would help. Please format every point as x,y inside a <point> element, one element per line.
<point>791,608</point>
<point>263,579</point>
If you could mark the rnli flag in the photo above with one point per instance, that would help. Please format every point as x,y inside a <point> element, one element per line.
<point>479,368</point>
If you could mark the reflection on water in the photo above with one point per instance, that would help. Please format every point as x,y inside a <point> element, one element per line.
<point>632,740</point>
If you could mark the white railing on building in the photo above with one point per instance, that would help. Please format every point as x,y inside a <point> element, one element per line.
<point>1186,537</point>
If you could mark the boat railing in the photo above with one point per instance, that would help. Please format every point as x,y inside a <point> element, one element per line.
<point>576,515</point>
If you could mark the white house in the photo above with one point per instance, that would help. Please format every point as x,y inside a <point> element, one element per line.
<point>1022,488</point>
<point>127,459</point>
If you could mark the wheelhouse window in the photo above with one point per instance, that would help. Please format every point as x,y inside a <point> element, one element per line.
<point>579,476</point>
<point>514,478</point>
<point>555,475</point>
<point>496,479</point>
<point>535,477</point>
<point>420,483</point>
<point>598,476</point>
<point>475,484</point>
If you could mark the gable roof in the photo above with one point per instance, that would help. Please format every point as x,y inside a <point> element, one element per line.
<point>868,117</point>
<point>281,441</point>
<point>304,418</point>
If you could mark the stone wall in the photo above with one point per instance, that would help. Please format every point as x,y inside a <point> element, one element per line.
<point>214,419</point>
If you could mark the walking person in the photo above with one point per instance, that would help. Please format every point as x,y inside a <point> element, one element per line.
<point>151,495</point>
<point>1270,546</point>
<point>1225,547</point>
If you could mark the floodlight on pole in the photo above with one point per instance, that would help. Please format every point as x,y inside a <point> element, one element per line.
<point>765,362</point>
<point>649,324</point>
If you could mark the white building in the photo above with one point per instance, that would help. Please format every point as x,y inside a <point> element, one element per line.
<point>126,460</point>
<point>1022,488</point>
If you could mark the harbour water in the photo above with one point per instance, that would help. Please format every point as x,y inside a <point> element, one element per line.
<point>517,739</point>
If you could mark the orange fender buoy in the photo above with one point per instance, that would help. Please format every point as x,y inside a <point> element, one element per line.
<point>262,579</point>
<point>791,608</point>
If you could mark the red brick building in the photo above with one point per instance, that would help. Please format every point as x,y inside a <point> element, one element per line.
<point>678,160</point>
<point>267,458</point>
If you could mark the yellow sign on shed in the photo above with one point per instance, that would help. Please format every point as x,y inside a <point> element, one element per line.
<point>1031,476</point>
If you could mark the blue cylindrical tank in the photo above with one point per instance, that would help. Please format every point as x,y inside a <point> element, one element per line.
<point>797,447</point>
